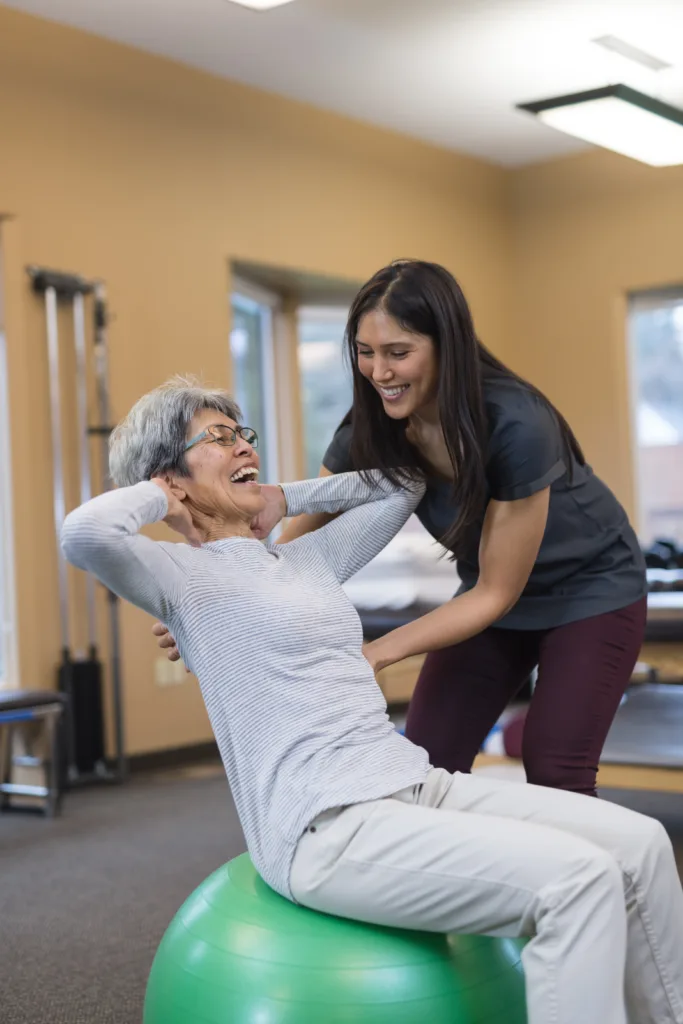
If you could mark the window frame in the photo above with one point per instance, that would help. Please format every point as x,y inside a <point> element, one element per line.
<point>642,300</point>
<point>270,306</point>
<point>8,625</point>
<point>321,312</point>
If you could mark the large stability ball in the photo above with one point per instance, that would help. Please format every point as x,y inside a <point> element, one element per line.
<point>237,953</point>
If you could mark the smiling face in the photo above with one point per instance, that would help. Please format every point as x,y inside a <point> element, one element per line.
<point>402,367</point>
<point>223,486</point>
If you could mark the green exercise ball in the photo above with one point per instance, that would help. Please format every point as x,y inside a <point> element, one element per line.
<point>237,953</point>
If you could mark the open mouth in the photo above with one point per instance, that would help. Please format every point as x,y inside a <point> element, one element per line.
<point>245,475</point>
<point>393,394</point>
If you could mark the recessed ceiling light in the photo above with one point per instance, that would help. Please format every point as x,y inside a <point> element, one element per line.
<point>619,118</point>
<point>260,5</point>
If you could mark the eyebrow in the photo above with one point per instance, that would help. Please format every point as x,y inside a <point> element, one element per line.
<point>386,344</point>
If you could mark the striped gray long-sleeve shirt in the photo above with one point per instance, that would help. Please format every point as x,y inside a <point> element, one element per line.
<point>275,643</point>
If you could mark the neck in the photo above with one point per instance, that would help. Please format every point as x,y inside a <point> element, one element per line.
<point>427,416</point>
<point>211,529</point>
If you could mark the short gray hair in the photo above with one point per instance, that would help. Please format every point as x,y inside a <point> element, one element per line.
<point>151,439</point>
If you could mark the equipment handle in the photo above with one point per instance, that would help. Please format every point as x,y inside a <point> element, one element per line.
<point>57,461</point>
<point>84,442</point>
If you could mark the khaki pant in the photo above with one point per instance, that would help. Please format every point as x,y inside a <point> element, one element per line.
<point>594,886</point>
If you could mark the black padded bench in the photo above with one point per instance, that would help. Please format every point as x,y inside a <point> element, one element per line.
<point>17,707</point>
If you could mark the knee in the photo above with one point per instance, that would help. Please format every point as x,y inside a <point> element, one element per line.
<point>649,841</point>
<point>602,886</point>
<point>587,866</point>
<point>592,881</point>
<point>603,867</point>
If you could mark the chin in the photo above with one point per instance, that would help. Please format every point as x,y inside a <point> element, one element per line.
<point>398,411</point>
<point>257,502</point>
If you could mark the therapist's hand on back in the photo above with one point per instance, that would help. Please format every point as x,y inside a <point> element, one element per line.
<point>166,641</point>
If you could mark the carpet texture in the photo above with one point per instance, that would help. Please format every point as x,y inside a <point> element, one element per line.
<point>85,899</point>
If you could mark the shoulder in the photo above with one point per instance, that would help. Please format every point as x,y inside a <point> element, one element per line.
<point>337,457</point>
<point>509,404</point>
<point>187,558</point>
<point>525,446</point>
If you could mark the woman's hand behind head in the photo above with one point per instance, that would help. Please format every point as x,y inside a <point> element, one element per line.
<point>178,516</point>
<point>274,510</point>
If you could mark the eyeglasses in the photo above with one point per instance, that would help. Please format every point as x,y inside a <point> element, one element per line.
<point>224,435</point>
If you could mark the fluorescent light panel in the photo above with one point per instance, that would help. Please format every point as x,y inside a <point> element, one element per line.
<point>618,118</point>
<point>260,5</point>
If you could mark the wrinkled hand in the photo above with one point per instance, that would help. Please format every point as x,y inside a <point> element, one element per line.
<point>275,510</point>
<point>178,516</point>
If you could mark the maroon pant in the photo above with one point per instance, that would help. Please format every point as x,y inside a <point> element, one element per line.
<point>583,671</point>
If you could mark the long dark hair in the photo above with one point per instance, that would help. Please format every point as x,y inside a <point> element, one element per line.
<point>424,298</point>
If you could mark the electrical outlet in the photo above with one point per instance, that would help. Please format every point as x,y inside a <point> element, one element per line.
<point>161,667</point>
<point>178,673</point>
<point>169,673</point>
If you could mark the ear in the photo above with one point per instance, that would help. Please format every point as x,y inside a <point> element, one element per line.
<point>175,485</point>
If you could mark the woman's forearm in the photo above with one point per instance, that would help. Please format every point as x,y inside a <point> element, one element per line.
<point>457,620</point>
<point>303,524</point>
<point>511,538</point>
<point>345,491</point>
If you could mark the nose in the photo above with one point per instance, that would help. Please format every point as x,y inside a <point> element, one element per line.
<point>242,447</point>
<point>381,371</point>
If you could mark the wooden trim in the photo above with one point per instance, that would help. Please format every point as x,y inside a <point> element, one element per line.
<point>612,776</point>
<point>176,757</point>
<point>290,410</point>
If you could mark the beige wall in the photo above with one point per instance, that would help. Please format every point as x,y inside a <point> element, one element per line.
<point>120,165</point>
<point>586,231</point>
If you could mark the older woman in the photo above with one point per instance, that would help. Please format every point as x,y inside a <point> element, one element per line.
<point>339,811</point>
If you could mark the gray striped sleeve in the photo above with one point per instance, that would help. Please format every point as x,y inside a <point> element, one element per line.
<point>102,537</point>
<point>374,510</point>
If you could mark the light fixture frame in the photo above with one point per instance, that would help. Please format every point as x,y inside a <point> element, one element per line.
<point>619,92</point>
<point>258,10</point>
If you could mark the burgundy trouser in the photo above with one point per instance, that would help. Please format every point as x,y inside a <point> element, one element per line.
<point>583,671</point>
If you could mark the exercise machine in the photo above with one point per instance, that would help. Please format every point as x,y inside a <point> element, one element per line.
<point>80,675</point>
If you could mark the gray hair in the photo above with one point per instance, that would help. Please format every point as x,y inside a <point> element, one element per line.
<point>151,439</point>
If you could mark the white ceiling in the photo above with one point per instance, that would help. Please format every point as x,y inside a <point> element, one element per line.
<point>447,71</point>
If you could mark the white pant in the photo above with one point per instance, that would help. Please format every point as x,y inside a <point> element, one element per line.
<point>594,886</point>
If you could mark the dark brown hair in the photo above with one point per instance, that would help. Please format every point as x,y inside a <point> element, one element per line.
<point>424,298</point>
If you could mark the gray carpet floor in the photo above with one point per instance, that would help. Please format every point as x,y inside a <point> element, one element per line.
<point>85,899</point>
<point>648,727</point>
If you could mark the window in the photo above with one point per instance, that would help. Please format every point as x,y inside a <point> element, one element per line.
<point>326,388</point>
<point>411,567</point>
<point>253,363</point>
<point>8,671</point>
<point>656,341</point>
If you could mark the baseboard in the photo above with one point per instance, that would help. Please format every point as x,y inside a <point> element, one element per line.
<point>610,776</point>
<point>174,757</point>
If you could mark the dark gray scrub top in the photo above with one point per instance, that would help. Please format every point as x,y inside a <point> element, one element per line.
<point>590,561</point>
